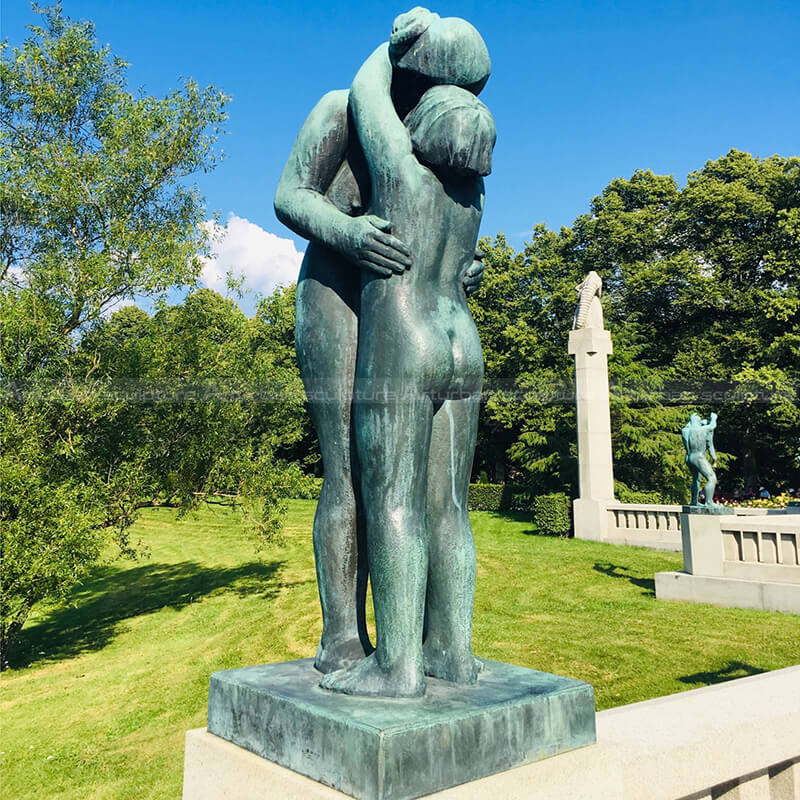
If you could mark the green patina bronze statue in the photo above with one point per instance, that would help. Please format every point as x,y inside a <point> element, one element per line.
<point>388,178</point>
<point>387,182</point>
<point>698,437</point>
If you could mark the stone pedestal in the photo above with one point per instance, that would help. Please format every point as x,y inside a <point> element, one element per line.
<point>718,510</point>
<point>702,544</point>
<point>590,519</point>
<point>738,561</point>
<point>691,744</point>
<point>380,748</point>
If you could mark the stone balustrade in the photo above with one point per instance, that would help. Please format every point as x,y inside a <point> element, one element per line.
<point>645,525</point>
<point>763,548</point>
<point>656,527</point>
<point>741,561</point>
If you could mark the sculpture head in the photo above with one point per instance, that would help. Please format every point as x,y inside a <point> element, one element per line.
<point>441,51</point>
<point>451,129</point>
<point>589,313</point>
<point>695,419</point>
<point>592,283</point>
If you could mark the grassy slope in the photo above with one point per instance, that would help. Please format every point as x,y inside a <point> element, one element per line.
<point>105,688</point>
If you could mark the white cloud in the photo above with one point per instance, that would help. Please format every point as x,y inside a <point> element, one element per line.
<point>247,250</point>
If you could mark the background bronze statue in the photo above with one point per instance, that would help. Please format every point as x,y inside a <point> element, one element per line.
<point>698,436</point>
<point>323,194</point>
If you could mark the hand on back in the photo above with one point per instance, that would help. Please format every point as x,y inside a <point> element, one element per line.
<point>373,248</point>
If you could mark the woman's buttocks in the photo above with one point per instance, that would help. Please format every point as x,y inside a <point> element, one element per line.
<point>454,317</point>
<point>429,340</point>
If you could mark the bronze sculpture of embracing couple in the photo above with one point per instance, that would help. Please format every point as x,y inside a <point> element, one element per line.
<point>386,181</point>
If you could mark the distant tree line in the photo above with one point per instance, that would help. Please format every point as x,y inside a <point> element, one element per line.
<point>702,298</point>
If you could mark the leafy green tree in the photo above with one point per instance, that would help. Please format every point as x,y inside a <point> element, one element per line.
<point>523,312</point>
<point>95,208</point>
<point>651,289</point>
<point>282,399</point>
<point>206,406</point>
<point>708,307</point>
<point>743,216</point>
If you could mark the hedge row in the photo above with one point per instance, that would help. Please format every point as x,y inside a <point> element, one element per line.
<point>627,495</point>
<point>551,512</point>
<point>500,497</point>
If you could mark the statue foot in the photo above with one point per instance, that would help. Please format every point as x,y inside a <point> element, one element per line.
<point>339,654</point>
<point>367,679</point>
<point>449,665</point>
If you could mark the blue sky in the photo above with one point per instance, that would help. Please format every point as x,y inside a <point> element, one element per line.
<point>582,92</point>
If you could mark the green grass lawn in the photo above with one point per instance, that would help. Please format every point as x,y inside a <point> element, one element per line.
<point>104,688</point>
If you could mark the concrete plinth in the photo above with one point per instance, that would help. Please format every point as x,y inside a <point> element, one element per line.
<point>719,510</point>
<point>692,745</point>
<point>729,592</point>
<point>590,519</point>
<point>702,544</point>
<point>380,748</point>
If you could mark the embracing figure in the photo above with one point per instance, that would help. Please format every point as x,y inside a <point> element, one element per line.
<point>410,146</point>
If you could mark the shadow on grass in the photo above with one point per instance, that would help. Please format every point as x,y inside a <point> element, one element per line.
<point>617,571</point>
<point>522,516</point>
<point>90,617</point>
<point>548,534</point>
<point>734,669</point>
<point>513,516</point>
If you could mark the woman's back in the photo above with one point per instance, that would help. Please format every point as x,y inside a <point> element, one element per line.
<point>439,220</point>
<point>416,329</point>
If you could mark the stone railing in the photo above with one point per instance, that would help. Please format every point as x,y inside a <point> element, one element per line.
<point>729,741</point>
<point>765,548</point>
<point>748,511</point>
<point>742,561</point>
<point>656,527</point>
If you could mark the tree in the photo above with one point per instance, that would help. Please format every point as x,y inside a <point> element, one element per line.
<point>95,208</point>
<point>523,312</point>
<point>282,398</point>
<point>206,406</point>
<point>650,284</point>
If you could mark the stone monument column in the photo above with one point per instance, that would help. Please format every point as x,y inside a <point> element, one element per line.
<point>591,345</point>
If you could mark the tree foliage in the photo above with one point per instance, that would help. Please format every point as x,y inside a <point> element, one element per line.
<point>205,406</point>
<point>95,208</point>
